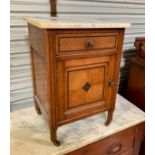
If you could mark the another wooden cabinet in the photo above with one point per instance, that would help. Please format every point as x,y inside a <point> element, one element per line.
<point>136,80</point>
<point>75,72</point>
<point>126,142</point>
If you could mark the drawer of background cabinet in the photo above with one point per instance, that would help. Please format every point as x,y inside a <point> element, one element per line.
<point>117,144</point>
<point>86,42</point>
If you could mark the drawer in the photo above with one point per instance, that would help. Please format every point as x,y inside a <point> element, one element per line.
<point>80,43</point>
<point>118,144</point>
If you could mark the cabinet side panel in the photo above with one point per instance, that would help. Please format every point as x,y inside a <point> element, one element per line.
<point>43,44</point>
<point>38,56</point>
<point>40,79</point>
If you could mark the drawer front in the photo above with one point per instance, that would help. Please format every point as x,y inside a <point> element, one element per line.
<point>118,144</point>
<point>77,43</point>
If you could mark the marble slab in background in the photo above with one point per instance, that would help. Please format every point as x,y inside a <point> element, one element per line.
<point>30,133</point>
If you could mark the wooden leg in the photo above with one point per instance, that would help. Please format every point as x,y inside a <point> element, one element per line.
<point>109,118</point>
<point>53,135</point>
<point>37,108</point>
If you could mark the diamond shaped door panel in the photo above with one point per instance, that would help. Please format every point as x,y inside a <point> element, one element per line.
<point>86,85</point>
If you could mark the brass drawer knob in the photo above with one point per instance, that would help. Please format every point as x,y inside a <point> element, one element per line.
<point>90,43</point>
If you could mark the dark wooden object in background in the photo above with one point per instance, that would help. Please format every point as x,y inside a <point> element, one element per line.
<point>75,73</point>
<point>126,142</point>
<point>53,5</point>
<point>136,82</point>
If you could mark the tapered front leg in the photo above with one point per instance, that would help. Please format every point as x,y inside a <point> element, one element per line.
<point>53,134</point>
<point>109,118</point>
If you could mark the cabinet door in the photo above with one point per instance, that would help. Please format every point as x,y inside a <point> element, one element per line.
<point>83,86</point>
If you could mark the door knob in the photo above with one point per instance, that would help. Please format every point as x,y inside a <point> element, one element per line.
<point>111,82</point>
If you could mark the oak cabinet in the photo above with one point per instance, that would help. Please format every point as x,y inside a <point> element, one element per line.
<point>75,72</point>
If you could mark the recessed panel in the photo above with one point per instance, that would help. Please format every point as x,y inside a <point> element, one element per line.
<point>40,79</point>
<point>85,86</point>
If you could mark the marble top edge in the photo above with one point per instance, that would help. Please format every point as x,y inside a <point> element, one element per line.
<point>66,23</point>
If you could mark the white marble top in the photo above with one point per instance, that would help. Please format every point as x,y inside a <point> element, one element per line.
<point>68,23</point>
<point>30,133</point>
